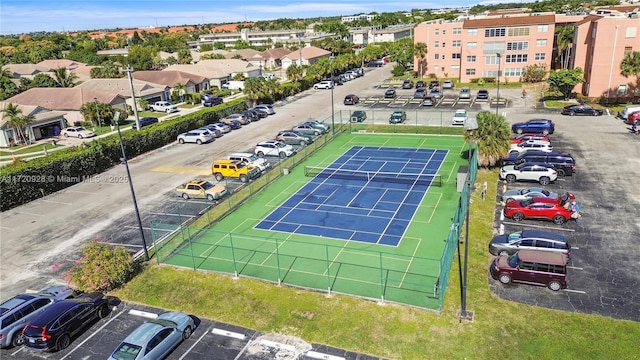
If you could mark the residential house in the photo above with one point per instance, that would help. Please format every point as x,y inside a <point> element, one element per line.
<point>44,124</point>
<point>242,54</point>
<point>193,83</point>
<point>368,17</point>
<point>145,90</point>
<point>304,56</point>
<point>24,70</point>
<point>374,34</point>
<point>272,58</point>
<point>218,71</point>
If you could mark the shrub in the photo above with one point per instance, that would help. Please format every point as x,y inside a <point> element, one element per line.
<point>398,70</point>
<point>103,268</point>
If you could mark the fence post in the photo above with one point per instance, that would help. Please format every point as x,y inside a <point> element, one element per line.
<point>193,260</point>
<point>233,256</point>
<point>326,250</point>
<point>381,280</point>
<point>278,263</point>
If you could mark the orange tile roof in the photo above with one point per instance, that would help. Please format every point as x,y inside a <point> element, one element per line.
<point>509,21</point>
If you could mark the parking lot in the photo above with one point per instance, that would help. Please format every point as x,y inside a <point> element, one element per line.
<point>210,340</point>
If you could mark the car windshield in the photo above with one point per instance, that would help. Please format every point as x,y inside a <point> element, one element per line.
<point>281,145</point>
<point>526,202</point>
<point>126,351</point>
<point>207,185</point>
<point>513,260</point>
<point>515,236</point>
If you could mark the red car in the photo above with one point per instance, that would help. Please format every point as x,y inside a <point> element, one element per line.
<point>537,208</point>
<point>633,116</point>
<point>529,136</point>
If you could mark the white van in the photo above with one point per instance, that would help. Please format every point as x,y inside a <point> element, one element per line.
<point>252,159</point>
<point>628,110</point>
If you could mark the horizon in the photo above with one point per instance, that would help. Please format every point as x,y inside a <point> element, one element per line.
<point>33,16</point>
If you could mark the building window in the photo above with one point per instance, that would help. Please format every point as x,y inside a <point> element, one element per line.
<point>518,45</point>
<point>513,71</point>
<point>492,47</point>
<point>491,60</point>
<point>627,50</point>
<point>443,68</point>
<point>436,56</point>
<point>541,42</point>
<point>472,45</point>
<point>472,32</point>
<point>516,58</point>
<point>436,68</point>
<point>622,89</point>
<point>456,43</point>
<point>631,32</point>
<point>455,56</point>
<point>455,68</point>
<point>437,31</point>
<point>543,28</point>
<point>540,56</point>
<point>471,58</point>
<point>444,32</point>
<point>519,31</point>
<point>436,44</point>
<point>457,31</point>
<point>444,44</point>
<point>490,73</point>
<point>470,71</point>
<point>442,56</point>
<point>496,32</point>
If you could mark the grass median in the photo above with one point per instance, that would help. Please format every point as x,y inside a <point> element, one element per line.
<point>500,330</point>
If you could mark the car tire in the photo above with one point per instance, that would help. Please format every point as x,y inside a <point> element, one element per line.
<point>244,178</point>
<point>210,197</point>
<point>510,178</point>
<point>559,219</point>
<point>544,180</point>
<point>519,131</point>
<point>66,135</point>
<point>554,285</point>
<point>102,312</point>
<point>508,199</point>
<point>503,252</point>
<point>282,155</point>
<point>571,113</point>
<point>303,142</point>
<point>79,136</point>
<point>561,172</point>
<point>187,333</point>
<point>504,278</point>
<point>199,142</point>
<point>316,133</point>
<point>218,176</point>
<point>63,342</point>
<point>260,153</point>
<point>545,132</point>
<point>181,141</point>
<point>17,339</point>
<point>185,196</point>
<point>517,216</point>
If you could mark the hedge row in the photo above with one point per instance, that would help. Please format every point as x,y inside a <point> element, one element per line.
<point>23,182</point>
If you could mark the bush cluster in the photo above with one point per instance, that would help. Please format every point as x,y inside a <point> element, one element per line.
<point>103,268</point>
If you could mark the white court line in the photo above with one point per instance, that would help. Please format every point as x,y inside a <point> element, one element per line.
<point>146,314</point>
<point>192,346</point>
<point>574,267</point>
<point>92,335</point>
<point>318,355</point>
<point>57,202</point>
<point>231,334</point>
<point>575,291</point>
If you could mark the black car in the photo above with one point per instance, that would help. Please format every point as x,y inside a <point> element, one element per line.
<point>390,94</point>
<point>587,110</point>
<point>351,99</point>
<point>210,100</point>
<point>564,163</point>
<point>145,121</point>
<point>420,84</point>
<point>358,116</point>
<point>483,94</point>
<point>54,328</point>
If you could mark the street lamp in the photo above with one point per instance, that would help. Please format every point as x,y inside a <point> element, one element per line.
<point>498,100</point>
<point>133,194</point>
<point>95,101</point>
<point>333,125</point>
<point>470,125</point>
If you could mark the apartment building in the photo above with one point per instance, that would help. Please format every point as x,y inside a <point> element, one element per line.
<point>373,34</point>
<point>479,46</point>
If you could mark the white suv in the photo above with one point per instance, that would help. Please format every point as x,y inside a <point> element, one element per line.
<point>327,84</point>
<point>540,172</point>
<point>251,159</point>
<point>274,148</point>
<point>540,145</point>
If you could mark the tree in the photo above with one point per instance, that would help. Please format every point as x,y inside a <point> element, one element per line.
<point>254,89</point>
<point>141,57</point>
<point>420,51</point>
<point>564,41</point>
<point>7,87</point>
<point>206,47</point>
<point>565,80</point>
<point>184,56</point>
<point>17,121</point>
<point>211,56</point>
<point>136,39</point>
<point>44,80</point>
<point>108,70</point>
<point>295,72</point>
<point>493,137</point>
<point>64,79</point>
<point>534,73</point>
<point>630,66</point>
<point>97,113</point>
<point>103,267</point>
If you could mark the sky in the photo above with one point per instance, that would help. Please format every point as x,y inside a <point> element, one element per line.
<point>23,16</point>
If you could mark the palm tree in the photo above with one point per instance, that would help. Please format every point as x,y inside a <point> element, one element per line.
<point>254,89</point>
<point>64,79</point>
<point>630,66</point>
<point>420,51</point>
<point>180,89</point>
<point>295,72</point>
<point>492,136</point>
<point>17,121</point>
<point>564,42</point>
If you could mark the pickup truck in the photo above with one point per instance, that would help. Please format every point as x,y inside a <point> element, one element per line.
<point>201,189</point>
<point>163,106</point>
<point>234,169</point>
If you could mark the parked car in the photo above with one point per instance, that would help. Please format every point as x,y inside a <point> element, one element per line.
<point>261,112</point>
<point>197,136</point>
<point>201,189</point>
<point>482,94</point>
<point>223,128</point>
<point>581,109</point>
<point>307,128</point>
<point>390,94</point>
<point>145,121</point>
<point>544,126</point>
<point>420,84</point>
<point>465,93</point>
<point>163,106</point>
<point>294,137</point>
<point>351,99</point>
<point>398,117</point>
<point>210,100</point>
<point>322,125</point>
<point>251,159</point>
<point>531,267</point>
<point>251,115</point>
<point>358,116</point>
<point>78,132</point>
<point>232,123</point>
<point>428,101</point>
<point>529,136</point>
<point>632,117</point>
<point>459,117</point>
<point>507,244</point>
<point>563,162</point>
<point>447,85</point>
<point>538,145</point>
<point>274,148</point>
<point>325,84</point>
<point>241,118</point>
<point>213,129</point>
<point>20,309</point>
<point>267,107</point>
<point>420,93</point>
<point>537,208</point>
<point>234,169</point>
<point>156,338</point>
<point>434,84</point>
<point>540,172</point>
<point>628,110</point>
<point>54,328</point>
<point>435,93</point>
<point>407,84</point>
<point>521,194</point>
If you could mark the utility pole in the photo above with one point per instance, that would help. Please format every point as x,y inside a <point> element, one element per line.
<point>129,70</point>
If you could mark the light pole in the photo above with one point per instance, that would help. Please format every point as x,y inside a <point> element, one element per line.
<point>470,125</point>
<point>498,100</point>
<point>129,70</point>
<point>133,194</point>
<point>333,125</point>
<point>95,101</point>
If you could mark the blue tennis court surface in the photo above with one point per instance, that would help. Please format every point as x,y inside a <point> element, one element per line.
<point>369,194</point>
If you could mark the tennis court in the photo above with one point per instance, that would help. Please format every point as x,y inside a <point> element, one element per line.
<point>368,194</point>
<point>384,227</point>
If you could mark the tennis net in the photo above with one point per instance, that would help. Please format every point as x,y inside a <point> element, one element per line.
<point>374,176</point>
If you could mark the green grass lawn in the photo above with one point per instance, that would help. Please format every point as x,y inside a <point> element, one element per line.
<point>500,330</point>
<point>19,150</point>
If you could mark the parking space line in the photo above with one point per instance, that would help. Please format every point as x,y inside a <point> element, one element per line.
<point>575,291</point>
<point>194,345</point>
<point>538,226</point>
<point>56,202</point>
<point>27,213</point>
<point>92,335</point>
<point>318,355</point>
<point>81,192</point>
<point>277,345</point>
<point>574,267</point>
<point>231,334</point>
<point>146,314</point>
